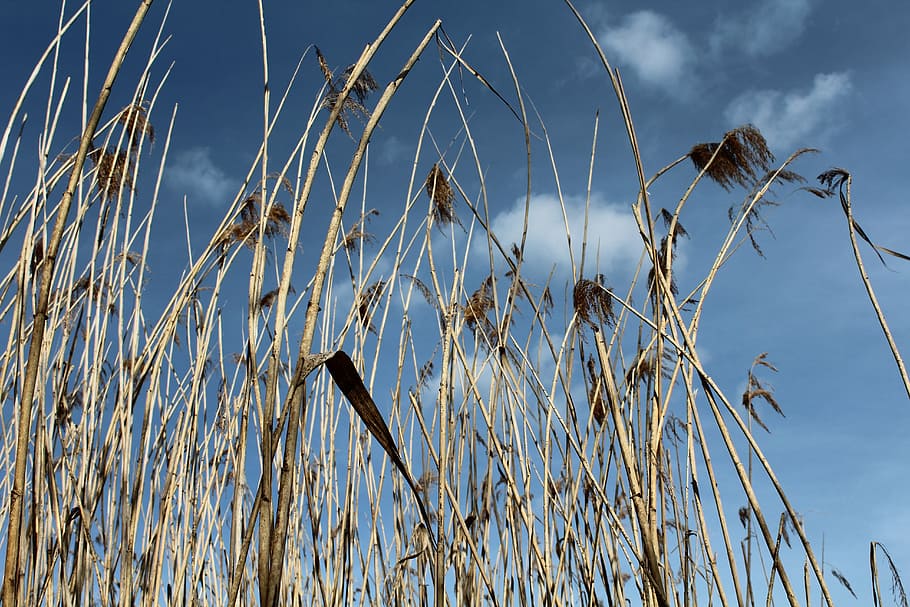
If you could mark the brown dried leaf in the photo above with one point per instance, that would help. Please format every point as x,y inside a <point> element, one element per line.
<point>843,580</point>
<point>346,376</point>
<point>37,256</point>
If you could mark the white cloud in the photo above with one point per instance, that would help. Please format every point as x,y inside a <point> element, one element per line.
<point>613,240</point>
<point>194,173</point>
<point>765,29</point>
<point>787,118</point>
<point>391,149</point>
<point>658,53</point>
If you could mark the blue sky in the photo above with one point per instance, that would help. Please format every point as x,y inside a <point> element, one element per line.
<point>808,73</point>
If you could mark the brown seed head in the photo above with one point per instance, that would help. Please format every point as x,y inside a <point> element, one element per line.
<point>442,195</point>
<point>738,159</point>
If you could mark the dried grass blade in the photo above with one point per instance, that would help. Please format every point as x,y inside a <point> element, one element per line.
<point>843,581</point>
<point>897,587</point>
<point>891,252</point>
<point>349,381</point>
<point>842,180</point>
<point>457,56</point>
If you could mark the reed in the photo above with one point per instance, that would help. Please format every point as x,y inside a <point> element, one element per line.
<point>407,426</point>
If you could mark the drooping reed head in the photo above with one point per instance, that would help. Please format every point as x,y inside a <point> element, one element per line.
<point>741,157</point>
<point>592,302</point>
<point>442,195</point>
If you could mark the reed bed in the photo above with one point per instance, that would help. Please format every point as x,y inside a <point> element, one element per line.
<point>389,422</point>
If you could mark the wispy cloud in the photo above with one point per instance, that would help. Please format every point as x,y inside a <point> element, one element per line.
<point>613,240</point>
<point>647,42</point>
<point>786,119</point>
<point>392,149</point>
<point>766,28</point>
<point>585,68</point>
<point>194,174</point>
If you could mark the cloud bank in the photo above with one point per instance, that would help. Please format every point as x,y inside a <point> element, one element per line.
<point>787,119</point>
<point>768,27</point>
<point>658,53</point>
<point>613,240</point>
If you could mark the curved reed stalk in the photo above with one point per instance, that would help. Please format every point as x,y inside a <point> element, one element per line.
<point>844,181</point>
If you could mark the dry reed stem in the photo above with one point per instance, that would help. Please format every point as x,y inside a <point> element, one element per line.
<point>520,248</point>
<point>295,397</point>
<point>11,590</point>
<point>20,101</point>
<point>725,249</point>
<point>443,403</point>
<point>712,392</point>
<point>267,587</point>
<point>844,181</point>
<point>651,562</point>
<point>647,233</point>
